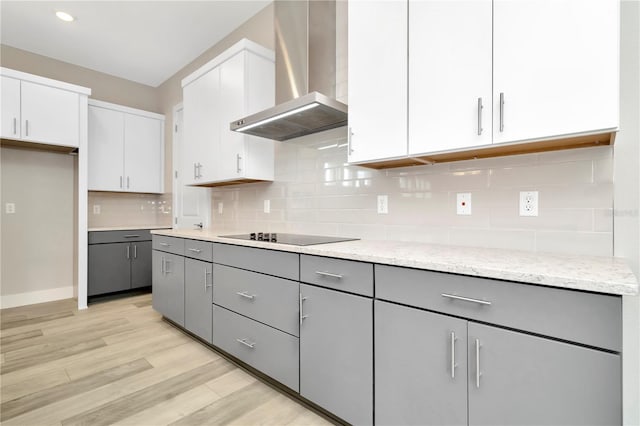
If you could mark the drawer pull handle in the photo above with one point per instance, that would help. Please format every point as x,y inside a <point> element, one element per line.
<point>478,374</point>
<point>466,299</point>
<point>329,274</point>
<point>194,250</point>
<point>453,355</point>
<point>132,236</point>
<point>247,344</point>
<point>246,295</point>
<point>165,244</point>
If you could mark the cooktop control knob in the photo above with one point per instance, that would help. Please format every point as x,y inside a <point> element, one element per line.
<point>274,237</point>
<point>252,236</point>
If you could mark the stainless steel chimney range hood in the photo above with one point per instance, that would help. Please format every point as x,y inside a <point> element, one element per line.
<point>305,59</point>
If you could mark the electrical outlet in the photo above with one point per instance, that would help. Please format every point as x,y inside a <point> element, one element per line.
<point>96,209</point>
<point>463,203</point>
<point>220,206</point>
<point>528,203</point>
<point>383,204</point>
<point>267,206</point>
<point>10,208</point>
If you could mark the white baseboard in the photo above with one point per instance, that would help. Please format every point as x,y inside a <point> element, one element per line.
<point>32,297</point>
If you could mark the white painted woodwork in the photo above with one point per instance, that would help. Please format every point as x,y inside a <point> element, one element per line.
<point>191,204</point>
<point>143,153</point>
<point>557,63</point>
<point>238,82</point>
<point>377,80</point>
<point>10,94</point>
<point>449,70</point>
<point>106,146</point>
<point>126,149</point>
<point>49,115</point>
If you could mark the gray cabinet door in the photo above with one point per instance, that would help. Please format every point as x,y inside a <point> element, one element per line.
<point>108,268</point>
<point>415,353</point>
<point>529,380</point>
<point>198,298</point>
<point>140,264</point>
<point>336,353</point>
<point>168,286</point>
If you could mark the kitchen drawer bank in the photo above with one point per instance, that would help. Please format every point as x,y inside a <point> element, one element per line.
<point>314,333</point>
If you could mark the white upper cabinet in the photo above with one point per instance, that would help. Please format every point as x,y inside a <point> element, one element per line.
<point>377,80</point>
<point>449,75</point>
<point>482,74</point>
<point>40,110</point>
<point>237,83</point>
<point>556,66</point>
<point>11,123</point>
<point>126,149</point>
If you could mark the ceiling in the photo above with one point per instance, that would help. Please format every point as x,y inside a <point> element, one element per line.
<point>143,41</point>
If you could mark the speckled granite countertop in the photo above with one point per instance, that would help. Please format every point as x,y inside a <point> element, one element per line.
<point>599,274</point>
<point>127,228</point>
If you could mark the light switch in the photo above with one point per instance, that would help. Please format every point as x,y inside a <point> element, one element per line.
<point>10,208</point>
<point>96,209</point>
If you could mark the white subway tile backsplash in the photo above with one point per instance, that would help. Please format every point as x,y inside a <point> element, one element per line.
<point>316,192</point>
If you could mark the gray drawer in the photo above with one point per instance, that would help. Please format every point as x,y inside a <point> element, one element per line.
<point>347,275</point>
<point>587,318</point>
<point>201,250</point>
<point>270,300</point>
<point>269,350</point>
<point>279,263</point>
<point>169,244</point>
<point>99,237</point>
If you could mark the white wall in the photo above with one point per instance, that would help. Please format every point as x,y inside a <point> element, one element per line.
<point>627,200</point>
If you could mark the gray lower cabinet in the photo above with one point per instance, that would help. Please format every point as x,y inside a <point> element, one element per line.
<point>336,352</point>
<point>520,379</point>
<point>118,260</point>
<point>168,285</point>
<point>436,369</point>
<point>421,367</point>
<point>198,298</point>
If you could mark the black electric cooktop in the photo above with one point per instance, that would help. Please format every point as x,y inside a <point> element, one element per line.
<point>293,239</point>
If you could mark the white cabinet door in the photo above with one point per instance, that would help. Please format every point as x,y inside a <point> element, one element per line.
<point>10,93</point>
<point>556,66</point>
<point>50,115</point>
<point>231,157</point>
<point>201,128</point>
<point>377,80</point>
<point>143,156</point>
<point>105,149</point>
<point>449,75</point>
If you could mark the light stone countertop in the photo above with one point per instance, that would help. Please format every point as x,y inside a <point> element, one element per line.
<point>598,274</point>
<point>127,228</point>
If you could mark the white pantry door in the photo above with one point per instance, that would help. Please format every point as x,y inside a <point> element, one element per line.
<point>191,204</point>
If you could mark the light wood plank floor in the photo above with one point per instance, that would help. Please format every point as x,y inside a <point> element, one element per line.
<point>119,363</point>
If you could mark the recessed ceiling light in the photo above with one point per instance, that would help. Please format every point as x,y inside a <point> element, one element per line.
<point>64,16</point>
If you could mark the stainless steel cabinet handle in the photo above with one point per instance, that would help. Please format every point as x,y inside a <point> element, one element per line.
<point>206,274</point>
<point>26,127</point>
<point>329,274</point>
<point>349,144</point>
<point>128,252</point>
<point>127,182</point>
<point>302,317</point>
<point>238,159</point>
<point>135,251</point>
<point>162,265</point>
<point>15,126</point>
<point>465,299</point>
<point>199,171</point>
<point>194,250</point>
<point>246,295</point>
<point>165,244</point>
<point>247,344</point>
<point>501,111</point>
<point>453,355</point>
<point>120,181</point>
<point>167,262</point>
<point>480,116</point>
<point>195,168</point>
<point>132,236</point>
<point>478,363</point>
